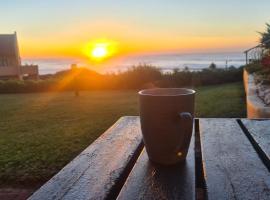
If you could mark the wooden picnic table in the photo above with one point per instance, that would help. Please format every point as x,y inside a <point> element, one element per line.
<point>227,159</point>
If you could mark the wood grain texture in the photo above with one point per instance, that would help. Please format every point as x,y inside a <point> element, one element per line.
<point>232,167</point>
<point>150,181</point>
<point>260,132</point>
<point>94,172</point>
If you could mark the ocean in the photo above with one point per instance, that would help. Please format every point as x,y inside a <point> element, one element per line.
<point>166,62</point>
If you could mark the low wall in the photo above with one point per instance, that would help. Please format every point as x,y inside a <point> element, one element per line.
<point>255,106</point>
<point>18,72</point>
<point>29,69</point>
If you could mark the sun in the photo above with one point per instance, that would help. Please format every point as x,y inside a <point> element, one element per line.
<point>100,51</point>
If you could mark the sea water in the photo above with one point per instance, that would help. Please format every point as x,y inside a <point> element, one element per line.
<point>166,62</point>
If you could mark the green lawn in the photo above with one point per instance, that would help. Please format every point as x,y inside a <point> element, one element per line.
<point>40,133</point>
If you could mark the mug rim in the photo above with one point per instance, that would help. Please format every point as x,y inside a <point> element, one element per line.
<point>174,92</point>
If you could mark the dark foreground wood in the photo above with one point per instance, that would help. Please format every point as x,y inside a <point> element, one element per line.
<point>150,181</point>
<point>227,159</point>
<point>258,131</point>
<point>95,173</point>
<point>233,169</point>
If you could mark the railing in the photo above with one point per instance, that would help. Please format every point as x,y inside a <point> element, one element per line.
<point>256,53</point>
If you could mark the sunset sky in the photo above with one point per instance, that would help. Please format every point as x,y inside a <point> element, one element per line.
<point>54,28</point>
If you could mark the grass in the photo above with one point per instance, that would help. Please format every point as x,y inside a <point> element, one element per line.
<point>40,133</point>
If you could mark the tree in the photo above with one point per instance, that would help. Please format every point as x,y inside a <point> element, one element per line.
<point>176,70</point>
<point>212,66</point>
<point>186,69</point>
<point>265,37</point>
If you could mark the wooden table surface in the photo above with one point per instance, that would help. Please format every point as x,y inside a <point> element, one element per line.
<point>227,159</point>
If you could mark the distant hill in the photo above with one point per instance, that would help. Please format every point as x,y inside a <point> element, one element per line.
<point>82,72</point>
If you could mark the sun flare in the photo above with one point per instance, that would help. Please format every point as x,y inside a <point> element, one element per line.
<point>100,50</point>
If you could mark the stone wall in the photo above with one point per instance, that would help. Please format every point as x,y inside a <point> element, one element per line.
<point>256,108</point>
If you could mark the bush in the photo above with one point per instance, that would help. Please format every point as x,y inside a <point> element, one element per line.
<point>138,77</point>
<point>20,86</point>
<point>265,37</point>
<point>254,67</point>
<point>266,61</point>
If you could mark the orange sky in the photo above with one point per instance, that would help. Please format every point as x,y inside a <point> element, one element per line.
<point>62,29</point>
<point>130,40</point>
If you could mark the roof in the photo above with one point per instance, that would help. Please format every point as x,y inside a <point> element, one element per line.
<point>8,45</point>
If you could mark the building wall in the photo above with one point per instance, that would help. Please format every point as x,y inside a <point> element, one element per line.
<point>10,71</point>
<point>10,62</point>
<point>18,71</point>
<point>4,62</point>
<point>9,66</point>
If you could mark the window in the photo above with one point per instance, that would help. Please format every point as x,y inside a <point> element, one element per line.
<point>3,62</point>
<point>6,62</point>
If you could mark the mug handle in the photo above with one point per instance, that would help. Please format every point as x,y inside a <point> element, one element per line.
<point>186,123</point>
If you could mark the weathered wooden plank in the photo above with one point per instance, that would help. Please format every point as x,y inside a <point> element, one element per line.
<point>96,172</point>
<point>259,133</point>
<point>232,167</point>
<point>149,181</point>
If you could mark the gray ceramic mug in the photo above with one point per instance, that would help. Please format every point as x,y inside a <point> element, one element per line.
<point>166,121</point>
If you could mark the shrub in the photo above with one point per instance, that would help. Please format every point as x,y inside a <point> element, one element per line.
<point>266,61</point>
<point>265,37</point>
<point>254,67</point>
<point>138,77</point>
